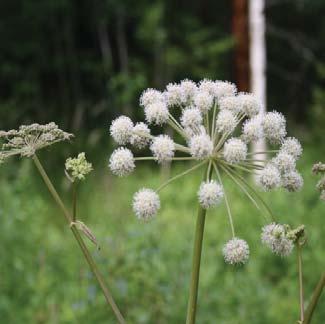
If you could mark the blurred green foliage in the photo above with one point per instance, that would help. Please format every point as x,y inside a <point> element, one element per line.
<point>44,279</point>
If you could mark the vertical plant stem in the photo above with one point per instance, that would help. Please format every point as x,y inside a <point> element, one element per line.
<point>74,201</point>
<point>109,298</point>
<point>314,300</point>
<point>196,262</point>
<point>301,287</point>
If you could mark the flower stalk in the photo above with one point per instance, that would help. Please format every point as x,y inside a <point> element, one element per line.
<point>108,296</point>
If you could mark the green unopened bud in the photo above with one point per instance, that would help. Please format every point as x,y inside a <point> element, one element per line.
<point>297,234</point>
<point>77,168</point>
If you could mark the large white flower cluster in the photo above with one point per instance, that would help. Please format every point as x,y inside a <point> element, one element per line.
<point>214,127</point>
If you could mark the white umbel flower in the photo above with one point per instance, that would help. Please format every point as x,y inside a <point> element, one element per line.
<point>292,181</point>
<point>191,117</point>
<point>218,89</point>
<point>252,129</point>
<point>157,113</point>
<point>163,148</point>
<point>146,204</point>
<point>230,103</point>
<point>235,150</point>
<point>250,105</point>
<point>121,130</point>
<point>210,194</point>
<point>275,238</point>
<point>236,251</point>
<point>203,101</point>
<point>284,161</point>
<point>201,146</point>
<point>292,146</point>
<point>140,138</point>
<point>175,95</point>
<point>121,162</point>
<point>269,178</point>
<point>274,126</point>
<point>189,89</point>
<point>151,96</point>
<point>226,122</point>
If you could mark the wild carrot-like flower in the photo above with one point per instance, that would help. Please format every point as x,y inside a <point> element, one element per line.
<point>77,168</point>
<point>216,126</point>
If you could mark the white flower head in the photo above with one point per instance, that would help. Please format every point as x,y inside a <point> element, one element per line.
<point>151,96</point>
<point>275,238</point>
<point>121,130</point>
<point>191,117</point>
<point>140,138</point>
<point>284,161</point>
<point>274,126</point>
<point>218,89</point>
<point>163,148</point>
<point>157,113</point>
<point>210,194</point>
<point>230,103</point>
<point>121,162</point>
<point>235,150</point>
<point>269,178</point>
<point>203,101</point>
<point>189,89</point>
<point>252,129</point>
<point>250,105</point>
<point>146,204</point>
<point>226,122</point>
<point>201,146</point>
<point>292,146</point>
<point>175,95</point>
<point>292,181</point>
<point>236,251</point>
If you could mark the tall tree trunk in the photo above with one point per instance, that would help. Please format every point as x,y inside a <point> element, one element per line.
<point>258,56</point>
<point>240,33</point>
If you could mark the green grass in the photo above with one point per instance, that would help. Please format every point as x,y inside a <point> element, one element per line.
<point>44,279</point>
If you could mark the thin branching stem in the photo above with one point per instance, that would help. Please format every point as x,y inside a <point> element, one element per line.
<point>100,279</point>
<point>150,158</point>
<point>301,286</point>
<point>262,152</point>
<point>196,166</point>
<point>213,126</point>
<point>226,200</point>
<point>74,201</point>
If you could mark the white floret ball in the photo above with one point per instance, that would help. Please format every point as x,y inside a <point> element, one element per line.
<point>269,178</point>
<point>235,150</point>
<point>163,148</point>
<point>191,118</point>
<point>274,126</point>
<point>226,122</point>
<point>121,162</point>
<point>250,105</point>
<point>284,161</point>
<point>292,181</point>
<point>146,204</point>
<point>292,146</point>
<point>156,113</point>
<point>175,95</point>
<point>236,251</point>
<point>121,130</point>
<point>203,101</point>
<point>150,96</point>
<point>140,135</point>
<point>230,103</point>
<point>201,146</point>
<point>210,194</point>
<point>252,129</point>
<point>189,89</point>
<point>218,89</point>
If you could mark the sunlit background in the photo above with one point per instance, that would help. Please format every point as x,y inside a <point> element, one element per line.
<point>81,64</point>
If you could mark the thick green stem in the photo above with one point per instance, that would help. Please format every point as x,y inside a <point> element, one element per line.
<point>315,298</point>
<point>196,262</point>
<point>109,298</point>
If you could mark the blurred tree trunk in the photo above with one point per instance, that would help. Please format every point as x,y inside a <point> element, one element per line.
<point>258,57</point>
<point>240,33</point>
